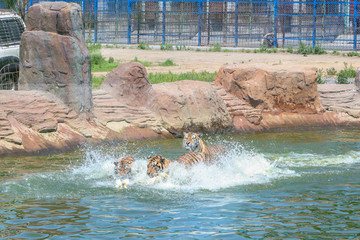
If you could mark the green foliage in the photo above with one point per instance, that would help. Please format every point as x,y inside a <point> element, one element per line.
<point>307,49</point>
<point>146,64</point>
<point>167,63</point>
<point>93,47</point>
<point>353,54</point>
<point>335,52</point>
<point>304,49</point>
<point>331,71</point>
<point>172,77</point>
<point>319,77</point>
<point>345,74</point>
<point>111,60</point>
<point>248,51</point>
<point>181,47</point>
<point>166,46</point>
<point>144,46</point>
<point>97,81</point>
<point>215,48</point>
<point>97,58</point>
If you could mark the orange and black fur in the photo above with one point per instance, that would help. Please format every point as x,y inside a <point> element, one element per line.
<point>123,166</point>
<point>194,143</point>
<point>159,163</point>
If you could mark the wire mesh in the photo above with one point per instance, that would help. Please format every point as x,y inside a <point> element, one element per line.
<point>9,75</point>
<point>331,24</point>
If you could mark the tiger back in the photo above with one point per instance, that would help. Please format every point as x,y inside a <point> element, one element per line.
<point>123,166</point>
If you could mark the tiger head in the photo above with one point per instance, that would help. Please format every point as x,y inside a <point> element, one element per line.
<point>123,166</point>
<point>156,165</point>
<point>192,141</point>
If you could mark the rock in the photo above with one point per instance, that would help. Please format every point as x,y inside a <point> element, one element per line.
<point>129,84</point>
<point>54,57</point>
<point>56,17</point>
<point>273,89</point>
<point>357,78</point>
<point>189,106</point>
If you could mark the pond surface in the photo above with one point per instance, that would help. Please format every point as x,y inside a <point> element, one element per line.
<point>271,185</point>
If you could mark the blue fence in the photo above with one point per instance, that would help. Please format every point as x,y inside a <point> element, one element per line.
<point>330,24</point>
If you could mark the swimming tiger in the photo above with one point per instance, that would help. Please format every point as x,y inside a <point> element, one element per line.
<point>194,143</point>
<point>159,163</point>
<point>123,166</point>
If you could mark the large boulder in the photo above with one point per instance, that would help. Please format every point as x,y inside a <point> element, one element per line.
<point>177,107</point>
<point>54,57</point>
<point>273,89</point>
<point>129,84</point>
<point>190,106</point>
<point>57,17</point>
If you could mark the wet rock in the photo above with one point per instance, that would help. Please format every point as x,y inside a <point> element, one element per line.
<point>54,57</point>
<point>273,89</point>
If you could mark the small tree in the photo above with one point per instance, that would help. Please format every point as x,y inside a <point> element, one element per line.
<point>19,6</point>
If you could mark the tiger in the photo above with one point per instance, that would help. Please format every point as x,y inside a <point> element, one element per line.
<point>123,166</point>
<point>159,163</point>
<point>194,143</point>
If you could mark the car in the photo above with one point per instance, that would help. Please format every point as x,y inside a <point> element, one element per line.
<point>11,28</point>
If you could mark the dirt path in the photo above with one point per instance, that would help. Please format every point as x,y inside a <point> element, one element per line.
<point>188,61</point>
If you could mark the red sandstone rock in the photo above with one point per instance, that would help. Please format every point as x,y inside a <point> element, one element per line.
<point>273,89</point>
<point>189,106</point>
<point>53,54</point>
<point>56,17</point>
<point>129,84</point>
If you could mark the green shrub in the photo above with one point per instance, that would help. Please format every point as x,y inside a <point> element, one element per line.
<point>345,74</point>
<point>93,47</point>
<point>111,60</point>
<point>290,49</point>
<point>167,63</point>
<point>335,52</point>
<point>97,58</point>
<point>97,81</point>
<point>352,54</point>
<point>319,77</point>
<point>304,49</point>
<point>331,71</point>
<point>319,50</point>
<point>144,46</point>
<point>215,48</point>
<point>166,46</point>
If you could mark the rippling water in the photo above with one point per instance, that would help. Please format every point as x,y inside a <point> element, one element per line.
<point>271,185</point>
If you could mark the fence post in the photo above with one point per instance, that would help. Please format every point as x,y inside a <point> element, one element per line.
<point>275,22</point>
<point>163,21</point>
<point>199,24</point>
<point>96,20</point>
<point>129,22</point>
<point>355,25</point>
<point>314,24</point>
<point>236,22</point>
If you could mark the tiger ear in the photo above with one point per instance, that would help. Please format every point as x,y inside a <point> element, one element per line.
<point>162,160</point>
<point>186,134</point>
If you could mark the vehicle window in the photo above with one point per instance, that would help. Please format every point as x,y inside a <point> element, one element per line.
<point>10,30</point>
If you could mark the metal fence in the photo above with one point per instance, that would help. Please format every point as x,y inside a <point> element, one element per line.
<point>331,24</point>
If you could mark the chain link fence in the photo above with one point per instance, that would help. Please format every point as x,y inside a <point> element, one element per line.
<point>331,24</point>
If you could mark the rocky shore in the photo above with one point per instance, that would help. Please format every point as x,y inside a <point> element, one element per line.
<point>56,109</point>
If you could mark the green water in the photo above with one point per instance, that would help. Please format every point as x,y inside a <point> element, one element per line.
<point>269,186</point>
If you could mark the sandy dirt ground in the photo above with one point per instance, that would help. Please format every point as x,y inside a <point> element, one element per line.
<point>187,61</point>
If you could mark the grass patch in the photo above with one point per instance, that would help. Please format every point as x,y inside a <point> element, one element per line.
<point>345,74</point>
<point>172,77</point>
<point>146,64</point>
<point>215,48</point>
<point>97,81</point>
<point>98,62</point>
<point>143,46</point>
<point>307,49</point>
<point>166,47</point>
<point>167,63</point>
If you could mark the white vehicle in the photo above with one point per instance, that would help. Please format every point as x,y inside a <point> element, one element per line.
<point>11,28</point>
